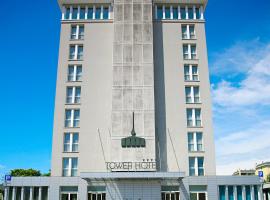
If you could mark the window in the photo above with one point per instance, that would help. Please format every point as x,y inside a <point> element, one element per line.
<point>186,51</point>
<point>194,117</point>
<point>67,13</point>
<point>98,13</point>
<point>191,73</point>
<point>184,32</point>
<point>71,142</point>
<point>192,94</point>
<point>198,14</point>
<point>77,32</point>
<point>81,32</point>
<point>239,193</point>
<point>198,121</point>
<point>248,192</point>
<point>169,192</point>
<point>90,13</point>
<point>189,98</point>
<point>189,51</point>
<point>194,72</point>
<point>199,141</point>
<point>188,31</point>
<point>70,166</point>
<point>74,73</point>
<point>193,52</point>
<point>191,146</point>
<point>74,13</point>
<point>183,13</point>
<point>195,141</point>
<point>73,95</point>
<point>170,12</point>
<point>96,196</point>
<point>200,166</point>
<point>73,34</point>
<point>255,193</point>
<point>187,72</point>
<point>230,192</point>
<point>167,13</point>
<point>192,169</point>
<point>197,196</point>
<point>69,196</point>
<point>82,13</point>
<point>190,13</point>
<point>159,12</point>
<point>80,52</point>
<point>222,195</point>
<point>72,52</point>
<point>72,118</point>
<point>105,13</point>
<point>196,166</point>
<point>191,32</point>
<point>76,52</point>
<point>196,95</point>
<point>175,12</point>
<point>170,195</point>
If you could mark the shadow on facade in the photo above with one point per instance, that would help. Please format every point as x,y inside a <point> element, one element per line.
<point>160,104</point>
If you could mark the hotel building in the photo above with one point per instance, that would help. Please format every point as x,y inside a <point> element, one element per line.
<point>133,117</point>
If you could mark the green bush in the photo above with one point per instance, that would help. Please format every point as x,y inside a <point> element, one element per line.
<point>25,172</point>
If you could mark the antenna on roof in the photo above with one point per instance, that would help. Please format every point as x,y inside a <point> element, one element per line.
<point>133,133</point>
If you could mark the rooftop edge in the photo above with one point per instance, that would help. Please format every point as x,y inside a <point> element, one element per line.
<point>64,2</point>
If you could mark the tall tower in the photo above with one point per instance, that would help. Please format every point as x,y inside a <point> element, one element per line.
<point>120,59</point>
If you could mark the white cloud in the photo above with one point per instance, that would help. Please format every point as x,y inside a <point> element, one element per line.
<point>239,58</point>
<point>243,149</point>
<point>242,94</point>
<point>254,88</point>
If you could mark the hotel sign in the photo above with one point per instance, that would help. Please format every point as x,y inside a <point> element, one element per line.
<point>131,166</point>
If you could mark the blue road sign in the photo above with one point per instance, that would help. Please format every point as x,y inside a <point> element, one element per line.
<point>7,177</point>
<point>260,173</point>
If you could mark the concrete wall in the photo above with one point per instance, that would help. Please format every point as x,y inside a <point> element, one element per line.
<point>170,96</point>
<point>96,97</point>
<point>133,85</point>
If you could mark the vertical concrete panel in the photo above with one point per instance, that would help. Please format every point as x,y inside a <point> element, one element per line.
<point>133,46</point>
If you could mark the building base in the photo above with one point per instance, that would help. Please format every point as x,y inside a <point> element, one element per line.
<point>134,186</point>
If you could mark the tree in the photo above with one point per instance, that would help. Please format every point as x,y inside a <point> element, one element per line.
<point>25,172</point>
<point>1,189</point>
<point>268,178</point>
<point>47,174</point>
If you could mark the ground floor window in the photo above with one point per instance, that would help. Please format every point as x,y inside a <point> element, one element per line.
<point>96,192</point>
<point>96,196</point>
<point>170,196</point>
<point>198,192</point>
<point>69,193</point>
<point>24,193</point>
<point>170,193</point>
<point>197,196</point>
<point>241,192</point>
<point>69,196</point>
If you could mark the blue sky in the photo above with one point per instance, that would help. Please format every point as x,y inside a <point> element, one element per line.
<point>238,38</point>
